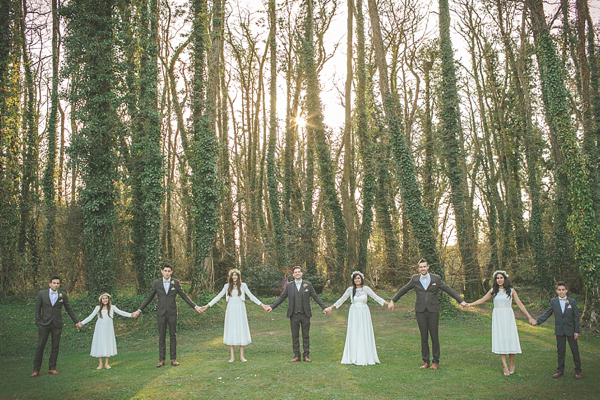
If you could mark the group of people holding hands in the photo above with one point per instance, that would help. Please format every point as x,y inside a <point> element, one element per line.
<point>359,348</point>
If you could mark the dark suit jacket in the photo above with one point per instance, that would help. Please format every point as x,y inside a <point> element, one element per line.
<point>564,324</point>
<point>46,314</point>
<point>427,299</point>
<point>166,301</point>
<point>307,291</point>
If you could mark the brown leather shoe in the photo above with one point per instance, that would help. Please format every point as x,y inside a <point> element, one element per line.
<point>424,366</point>
<point>434,366</point>
<point>295,359</point>
<point>160,364</point>
<point>35,373</point>
<point>558,374</point>
<point>306,359</point>
<point>578,375</point>
<point>53,372</point>
<point>174,363</point>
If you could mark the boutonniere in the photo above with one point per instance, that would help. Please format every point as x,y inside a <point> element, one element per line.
<point>567,302</point>
<point>305,285</point>
<point>60,295</point>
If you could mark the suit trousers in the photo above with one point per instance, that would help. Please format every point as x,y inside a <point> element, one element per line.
<point>561,347</point>
<point>428,325</point>
<point>297,320</point>
<point>43,333</point>
<point>163,321</point>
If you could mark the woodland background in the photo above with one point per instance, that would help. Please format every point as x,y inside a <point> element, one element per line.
<point>205,134</point>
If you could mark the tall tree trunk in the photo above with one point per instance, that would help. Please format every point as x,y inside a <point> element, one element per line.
<point>411,195</point>
<point>316,128</point>
<point>147,158</point>
<point>455,158</point>
<point>272,184</point>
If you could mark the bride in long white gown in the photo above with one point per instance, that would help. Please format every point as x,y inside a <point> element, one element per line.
<point>360,346</point>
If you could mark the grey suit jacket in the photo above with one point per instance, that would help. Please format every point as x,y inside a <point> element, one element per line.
<point>307,291</point>
<point>564,324</point>
<point>47,314</point>
<point>427,299</point>
<point>166,301</point>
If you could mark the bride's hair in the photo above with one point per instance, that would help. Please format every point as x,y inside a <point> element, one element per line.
<point>362,282</point>
<point>238,284</point>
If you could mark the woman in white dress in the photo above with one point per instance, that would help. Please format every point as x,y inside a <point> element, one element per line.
<point>236,331</point>
<point>360,346</point>
<point>104,343</point>
<point>505,337</point>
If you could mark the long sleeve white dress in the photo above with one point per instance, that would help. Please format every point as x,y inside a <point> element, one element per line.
<point>236,331</point>
<point>360,346</point>
<point>104,343</point>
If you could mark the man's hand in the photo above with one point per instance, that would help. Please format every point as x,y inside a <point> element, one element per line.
<point>79,325</point>
<point>575,335</point>
<point>266,307</point>
<point>198,309</point>
<point>135,314</point>
<point>391,305</point>
<point>464,304</point>
<point>532,321</point>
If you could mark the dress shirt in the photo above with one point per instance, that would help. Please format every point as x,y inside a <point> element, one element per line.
<point>53,296</point>
<point>166,285</point>
<point>425,281</point>
<point>563,303</point>
<point>298,284</point>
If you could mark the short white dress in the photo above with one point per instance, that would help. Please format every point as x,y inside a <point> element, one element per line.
<point>360,346</point>
<point>236,331</point>
<point>505,337</point>
<point>104,343</point>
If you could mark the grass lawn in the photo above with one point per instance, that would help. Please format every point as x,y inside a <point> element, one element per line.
<point>468,369</point>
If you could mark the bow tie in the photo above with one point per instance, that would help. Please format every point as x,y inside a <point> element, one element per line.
<point>166,282</point>
<point>563,300</point>
<point>54,292</point>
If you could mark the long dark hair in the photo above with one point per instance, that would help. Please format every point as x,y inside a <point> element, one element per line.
<point>108,305</point>
<point>362,282</point>
<point>507,285</point>
<point>230,281</point>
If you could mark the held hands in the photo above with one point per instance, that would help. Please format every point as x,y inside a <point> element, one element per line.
<point>266,307</point>
<point>532,321</point>
<point>575,335</point>
<point>464,304</point>
<point>198,309</point>
<point>327,310</point>
<point>202,309</point>
<point>79,325</point>
<point>135,314</point>
<point>391,305</point>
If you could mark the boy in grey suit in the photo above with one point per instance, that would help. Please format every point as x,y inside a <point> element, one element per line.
<point>566,328</point>
<point>48,318</point>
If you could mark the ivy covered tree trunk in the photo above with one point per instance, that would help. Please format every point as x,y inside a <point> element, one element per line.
<point>409,187</point>
<point>28,243</point>
<point>48,181</point>
<point>455,159</point>
<point>582,221</point>
<point>369,187</point>
<point>9,142</point>
<point>90,52</point>
<point>204,150</point>
<point>272,184</point>
<point>146,154</point>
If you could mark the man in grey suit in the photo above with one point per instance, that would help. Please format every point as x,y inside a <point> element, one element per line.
<point>166,290</point>
<point>48,318</point>
<point>566,328</point>
<point>299,293</point>
<point>426,287</point>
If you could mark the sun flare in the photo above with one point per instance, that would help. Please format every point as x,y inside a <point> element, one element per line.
<point>301,122</point>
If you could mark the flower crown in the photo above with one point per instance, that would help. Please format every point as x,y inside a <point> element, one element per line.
<point>499,271</point>
<point>357,273</point>
<point>104,294</point>
<point>234,271</point>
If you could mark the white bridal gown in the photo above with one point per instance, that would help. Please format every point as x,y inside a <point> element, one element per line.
<point>505,338</point>
<point>236,331</point>
<point>360,340</point>
<point>104,343</point>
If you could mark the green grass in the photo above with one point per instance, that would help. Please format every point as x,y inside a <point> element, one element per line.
<point>468,369</point>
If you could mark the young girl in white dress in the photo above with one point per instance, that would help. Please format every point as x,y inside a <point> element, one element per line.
<point>104,343</point>
<point>360,346</point>
<point>236,331</point>
<point>505,337</point>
